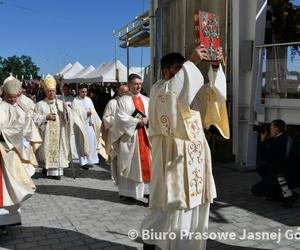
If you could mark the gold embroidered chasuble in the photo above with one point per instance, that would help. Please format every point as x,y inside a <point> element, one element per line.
<point>55,149</point>
<point>17,185</point>
<point>181,165</point>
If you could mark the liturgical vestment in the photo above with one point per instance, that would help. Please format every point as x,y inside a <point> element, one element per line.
<point>87,130</point>
<point>131,147</point>
<point>17,144</point>
<point>108,120</point>
<point>182,184</point>
<point>54,152</point>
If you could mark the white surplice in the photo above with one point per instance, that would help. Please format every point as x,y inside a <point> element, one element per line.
<point>182,185</point>
<point>126,155</point>
<point>54,152</point>
<point>90,128</point>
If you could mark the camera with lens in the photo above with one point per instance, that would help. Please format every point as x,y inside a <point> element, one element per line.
<point>260,128</point>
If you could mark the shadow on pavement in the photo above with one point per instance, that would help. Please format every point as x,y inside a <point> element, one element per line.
<point>212,244</point>
<point>94,173</point>
<point>53,238</point>
<point>234,190</point>
<point>86,193</point>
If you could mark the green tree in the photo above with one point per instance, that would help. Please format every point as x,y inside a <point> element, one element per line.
<point>18,66</point>
<point>285,23</point>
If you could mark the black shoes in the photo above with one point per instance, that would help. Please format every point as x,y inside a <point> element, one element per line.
<point>86,166</point>
<point>126,198</point>
<point>44,171</point>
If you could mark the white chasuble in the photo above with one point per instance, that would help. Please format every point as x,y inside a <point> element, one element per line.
<point>126,156</point>
<point>87,130</point>
<point>54,152</point>
<point>107,123</point>
<point>182,184</point>
<point>67,100</point>
<point>16,184</point>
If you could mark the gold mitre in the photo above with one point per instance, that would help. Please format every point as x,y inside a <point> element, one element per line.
<point>49,82</point>
<point>12,86</point>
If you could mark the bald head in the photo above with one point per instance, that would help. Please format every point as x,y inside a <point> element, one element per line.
<point>123,89</point>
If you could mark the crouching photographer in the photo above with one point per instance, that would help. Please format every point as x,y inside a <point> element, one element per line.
<point>274,164</point>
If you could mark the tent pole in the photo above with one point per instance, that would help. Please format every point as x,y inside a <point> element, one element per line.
<point>127,50</point>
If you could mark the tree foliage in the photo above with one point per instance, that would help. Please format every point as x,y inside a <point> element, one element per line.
<point>285,23</point>
<point>18,66</point>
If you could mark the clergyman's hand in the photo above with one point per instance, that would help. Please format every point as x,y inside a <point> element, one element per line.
<point>200,53</point>
<point>145,120</point>
<point>141,123</point>
<point>51,117</point>
<point>220,57</point>
<point>89,113</point>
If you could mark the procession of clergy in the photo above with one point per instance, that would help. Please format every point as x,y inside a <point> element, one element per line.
<point>155,146</point>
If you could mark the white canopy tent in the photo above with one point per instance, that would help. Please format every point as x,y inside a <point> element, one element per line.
<point>114,72</point>
<point>75,69</point>
<point>107,73</point>
<point>96,73</point>
<point>64,69</point>
<point>76,78</point>
<point>137,70</point>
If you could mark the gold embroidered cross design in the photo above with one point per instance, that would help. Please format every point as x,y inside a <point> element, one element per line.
<point>196,182</point>
<point>195,151</point>
<point>194,128</point>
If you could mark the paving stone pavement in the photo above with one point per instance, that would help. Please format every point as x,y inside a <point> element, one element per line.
<point>87,213</point>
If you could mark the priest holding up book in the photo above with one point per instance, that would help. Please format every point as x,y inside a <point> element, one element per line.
<point>130,142</point>
<point>182,184</point>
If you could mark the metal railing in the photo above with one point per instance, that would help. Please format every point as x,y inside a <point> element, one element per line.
<point>279,73</point>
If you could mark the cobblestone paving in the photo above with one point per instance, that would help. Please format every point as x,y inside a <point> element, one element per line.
<point>87,213</point>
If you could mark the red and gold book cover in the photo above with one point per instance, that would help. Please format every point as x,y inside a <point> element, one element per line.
<point>207,32</point>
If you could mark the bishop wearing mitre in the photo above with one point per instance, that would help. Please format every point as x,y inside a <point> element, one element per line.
<point>24,109</point>
<point>18,141</point>
<point>53,155</point>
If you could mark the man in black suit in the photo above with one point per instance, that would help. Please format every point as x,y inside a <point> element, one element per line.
<point>275,153</point>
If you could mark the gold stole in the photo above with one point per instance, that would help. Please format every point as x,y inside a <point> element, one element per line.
<point>53,146</point>
<point>195,157</point>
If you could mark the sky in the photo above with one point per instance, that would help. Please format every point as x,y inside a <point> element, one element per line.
<point>56,32</point>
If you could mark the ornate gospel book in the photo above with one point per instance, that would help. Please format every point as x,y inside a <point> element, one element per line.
<point>207,32</point>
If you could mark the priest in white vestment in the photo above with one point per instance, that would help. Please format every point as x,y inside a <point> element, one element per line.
<point>108,118</point>
<point>130,142</point>
<point>53,155</point>
<point>88,123</point>
<point>18,142</point>
<point>25,111</point>
<point>182,184</point>
<point>67,99</point>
